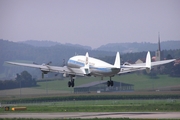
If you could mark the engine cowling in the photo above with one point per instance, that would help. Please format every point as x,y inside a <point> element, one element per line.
<point>65,75</point>
<point>43,72</point>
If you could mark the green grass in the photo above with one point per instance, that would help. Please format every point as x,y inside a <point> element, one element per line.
<point>62,85</point>
<point>143,82</point>
<point>103,106</point>
<point>140,82</point>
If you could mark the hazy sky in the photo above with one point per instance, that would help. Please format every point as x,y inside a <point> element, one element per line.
<point>90,22</point>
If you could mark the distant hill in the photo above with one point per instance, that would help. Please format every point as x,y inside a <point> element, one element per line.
<point>46,43</point>
<point>114,47</point>
<point>58,53</point>
<point>43,43</point>
<point>139,47</point>
<point>77,45</point>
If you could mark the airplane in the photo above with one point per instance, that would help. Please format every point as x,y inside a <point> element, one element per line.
<point>83,65</point>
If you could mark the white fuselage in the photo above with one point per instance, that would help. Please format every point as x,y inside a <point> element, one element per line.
<point>97,67</point>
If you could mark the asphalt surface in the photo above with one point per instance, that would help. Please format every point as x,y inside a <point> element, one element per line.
<point>154,115</point>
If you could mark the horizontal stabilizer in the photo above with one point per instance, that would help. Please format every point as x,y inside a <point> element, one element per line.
<point>141,65</point>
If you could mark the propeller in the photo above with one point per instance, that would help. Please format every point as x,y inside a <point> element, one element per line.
<point>48,63</point>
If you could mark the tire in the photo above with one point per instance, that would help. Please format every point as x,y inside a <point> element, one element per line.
<point>69,84</point>
<point>112,83</point>
<point>108,83</point>
<point>72,84</point>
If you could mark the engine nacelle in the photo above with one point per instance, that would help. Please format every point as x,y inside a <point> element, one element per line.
<point>148,70</point>
<point>44,71</point>
<point>65,75</point>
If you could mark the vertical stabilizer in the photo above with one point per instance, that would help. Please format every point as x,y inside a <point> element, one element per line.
<point>86,65</point>
<point>148,61</point>
<point>87,61</point>
<point>117,62</point>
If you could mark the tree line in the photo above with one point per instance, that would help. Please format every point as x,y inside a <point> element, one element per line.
<point>22,80</point>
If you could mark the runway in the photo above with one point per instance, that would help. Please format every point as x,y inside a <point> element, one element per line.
<point>153,115</point>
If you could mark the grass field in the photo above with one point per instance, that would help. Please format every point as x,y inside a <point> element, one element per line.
<point>103,106</point>
<point>140,82</point>
<point>166,105</point>
<point>144,82</point>
<point>59,87</point>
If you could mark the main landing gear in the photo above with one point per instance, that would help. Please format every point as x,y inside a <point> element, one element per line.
<point>71,82</point>
<point>110,82</point>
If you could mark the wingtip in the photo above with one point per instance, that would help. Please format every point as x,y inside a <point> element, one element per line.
<point>7,62</point>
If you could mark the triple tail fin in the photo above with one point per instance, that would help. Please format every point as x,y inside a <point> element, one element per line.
<point>87,61</point>
<point>86,66</point>
<point>148,62</point>
<point>117,62</point>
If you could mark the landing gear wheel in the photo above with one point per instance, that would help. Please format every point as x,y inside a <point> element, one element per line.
<point>69,84</point>
<point>108,83</point>
<point>72,83</point>
<point>112,83</point>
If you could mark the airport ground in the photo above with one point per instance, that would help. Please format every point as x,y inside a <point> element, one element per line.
<point>153,108</point>
<point>91,109</point>
<point>93,116</point>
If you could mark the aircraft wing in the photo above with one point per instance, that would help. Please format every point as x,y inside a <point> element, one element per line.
<point>48,68</point>
<point>25,64</point>
<point>128,70</point>
<point>142,66</point>
<point>162,62</point>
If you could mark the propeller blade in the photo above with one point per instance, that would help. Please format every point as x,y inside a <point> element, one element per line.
<point>49,63</point>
